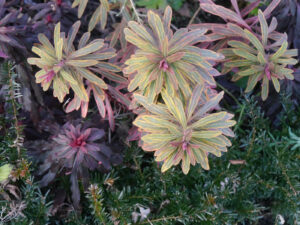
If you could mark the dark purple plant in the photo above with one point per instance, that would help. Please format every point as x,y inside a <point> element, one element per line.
<point>46,15</point>
<point>12,26</point>
<point>74,151</point>
<point>288,16</point>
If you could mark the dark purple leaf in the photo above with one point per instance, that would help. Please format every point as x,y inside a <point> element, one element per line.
<point>75,190</point>
<point>96,134</point>
<point>47,178</point>
<point>249,8</point>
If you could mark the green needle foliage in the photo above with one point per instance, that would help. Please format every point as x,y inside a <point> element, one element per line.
<point>21,200</point>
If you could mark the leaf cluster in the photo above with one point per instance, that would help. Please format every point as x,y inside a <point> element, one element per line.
<point>186,134</point>
<point>167,60</point>
<point>12,27</point>
<point>99,15</point>
<point>262,59</point>
<point>65,67</point>
<point>74,151</point>
<point>266,59</point>
<point>177,127</point>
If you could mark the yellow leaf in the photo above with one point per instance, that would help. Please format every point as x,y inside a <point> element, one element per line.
<point>209,119</point>
<point>206,134</point>
<point>5,172</point>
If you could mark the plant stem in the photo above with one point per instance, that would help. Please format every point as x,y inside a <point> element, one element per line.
<point>231,95</point>
<point>240,118</point>
<point>122,8</point>
<point>287,178</point>
<point>15,111</point>
<point>138,167</point>
<point>194,16</point>
<point>135,11</point>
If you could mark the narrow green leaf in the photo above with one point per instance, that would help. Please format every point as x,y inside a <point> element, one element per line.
<point>141,31</point>
<point>136,82</point>
<point>210,104</point>
<point>245,54</point>
<point>151,123</point>
<point>58,42</point>
<point>206,134</point>
<point>238,63</point>
<point>241,45</point>
<point>84,39</point>
<point>289,61</point>
<point>90,48</point>
<point>72,34</point>
<point>164,153</point>
<point>44,55</point>
<point>67,76</point>
<point>175,108</point>
<point>81,8</point>
<point>91,77</point>
<point>201,158</point>
<point>79,89</point>
<point>168,162</point>
<point>208,119</point>
<point>252,81</point>
<point>139,42</point>
<point>185,164</point>
<point>276,84</point>
<point>155,109</point>
<point>167,18</point>
<point>157,26</point>
<point>157,138</point>
<point>247,72</point>
<point>108,66</point>
<point>194,100</point>
<point>254,40</point>
<point>184,38</point>
<point>221,124</point>
<point>261,58</point>
<point>81,63</point>
<point>280,51</point>
<point>103,17</point>
<point>45,41</point>
<point>265,88</point>
<point>263,26</point>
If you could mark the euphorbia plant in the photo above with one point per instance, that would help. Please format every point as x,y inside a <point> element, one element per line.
<point>236,20</point>
<point>66,66</point>
<point>167,60</point>
<point>184,133</point>
<point>262,59</point>
<point>259,55</point>
<point>75,150</point>
<point>99,15</point>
